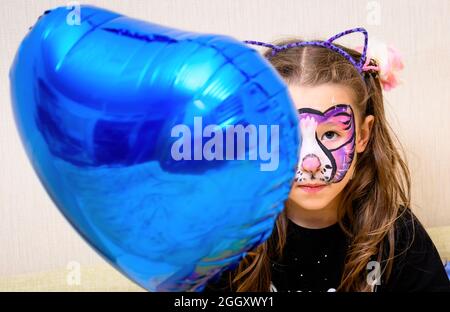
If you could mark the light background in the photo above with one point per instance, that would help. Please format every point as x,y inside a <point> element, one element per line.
<point>35,237</point>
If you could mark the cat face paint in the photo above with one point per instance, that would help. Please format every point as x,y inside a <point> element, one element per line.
<point>328,144</point>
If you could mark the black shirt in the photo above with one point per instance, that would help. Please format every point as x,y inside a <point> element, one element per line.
<point>313,261</point>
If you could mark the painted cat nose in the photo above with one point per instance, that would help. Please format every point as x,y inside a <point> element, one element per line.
<point>311,163</point>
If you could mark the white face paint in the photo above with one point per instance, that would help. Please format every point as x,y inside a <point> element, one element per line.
<point>314,163</point>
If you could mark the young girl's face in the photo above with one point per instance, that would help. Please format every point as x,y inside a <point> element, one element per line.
<point>332,135</point>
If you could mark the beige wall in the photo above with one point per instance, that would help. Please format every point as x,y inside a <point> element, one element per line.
<point>35,237</point>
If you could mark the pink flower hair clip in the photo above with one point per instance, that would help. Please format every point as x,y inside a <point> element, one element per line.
<point>386,61</point>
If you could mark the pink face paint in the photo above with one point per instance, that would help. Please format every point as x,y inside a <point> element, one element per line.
<point>328,144</point>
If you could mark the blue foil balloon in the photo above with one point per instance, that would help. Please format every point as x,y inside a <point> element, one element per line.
<point>99,105</point>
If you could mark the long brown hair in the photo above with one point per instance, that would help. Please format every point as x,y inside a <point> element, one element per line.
<point>371,201</point>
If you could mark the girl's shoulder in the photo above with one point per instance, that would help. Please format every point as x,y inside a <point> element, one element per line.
<point>417,265</point>
<point>407,227</point>
<point>411,237</point>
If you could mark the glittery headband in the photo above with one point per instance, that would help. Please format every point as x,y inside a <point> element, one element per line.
<point>325,44</point>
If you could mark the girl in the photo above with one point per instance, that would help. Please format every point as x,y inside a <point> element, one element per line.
<point>347,225</point>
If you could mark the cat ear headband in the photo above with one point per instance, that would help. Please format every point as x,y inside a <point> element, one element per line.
<point>388,59</point>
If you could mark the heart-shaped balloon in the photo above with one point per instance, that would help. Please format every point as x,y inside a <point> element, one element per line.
<point>114,115</point>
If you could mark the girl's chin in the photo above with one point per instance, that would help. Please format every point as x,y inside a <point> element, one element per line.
<point>308,201</point>
<point>312,206</point>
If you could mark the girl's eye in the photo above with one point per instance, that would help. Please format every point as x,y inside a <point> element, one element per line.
<point>329,135</point>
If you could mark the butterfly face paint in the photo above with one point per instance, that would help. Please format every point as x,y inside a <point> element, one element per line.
<point>328,144</point>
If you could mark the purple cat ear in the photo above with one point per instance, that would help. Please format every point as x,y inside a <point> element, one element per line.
<point>362,30</point>
<point>325,44</point>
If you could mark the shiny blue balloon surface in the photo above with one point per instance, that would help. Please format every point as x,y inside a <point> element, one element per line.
<point>95,105</point>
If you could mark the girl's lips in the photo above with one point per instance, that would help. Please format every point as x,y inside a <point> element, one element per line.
<point>312,188</point>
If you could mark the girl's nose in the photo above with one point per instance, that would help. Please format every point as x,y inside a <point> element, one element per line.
<point>311,164</point>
